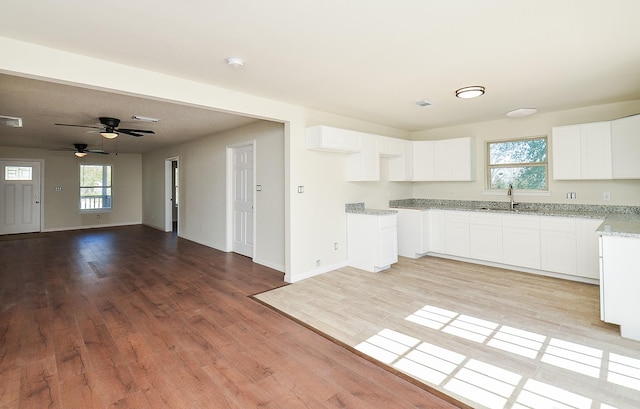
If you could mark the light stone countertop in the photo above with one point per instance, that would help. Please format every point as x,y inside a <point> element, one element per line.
<point>617,220</point>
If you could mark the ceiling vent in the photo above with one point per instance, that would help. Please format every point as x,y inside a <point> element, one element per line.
<point>12,121</point>
<point>423,103</point>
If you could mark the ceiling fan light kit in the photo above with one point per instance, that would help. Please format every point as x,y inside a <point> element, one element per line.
<point>470,92</point>
<point>109,134</point>
<point>81,154</point>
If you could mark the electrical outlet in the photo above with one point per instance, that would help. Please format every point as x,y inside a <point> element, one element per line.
<point>335,245</point>
<point>318,263</point>
<point>606,196</point>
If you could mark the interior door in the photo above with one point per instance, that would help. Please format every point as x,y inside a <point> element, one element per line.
<point>242,203</point>
<point>19,197</point>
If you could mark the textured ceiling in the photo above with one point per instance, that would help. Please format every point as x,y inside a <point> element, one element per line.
<point>367,59</point>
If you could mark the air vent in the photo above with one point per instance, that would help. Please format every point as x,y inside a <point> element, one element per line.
<point>423,103</point>
<point>12,121</point>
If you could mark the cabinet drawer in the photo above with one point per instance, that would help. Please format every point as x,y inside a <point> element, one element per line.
<point>521,221</point>
<point>561,224</point>
<point>491,219</point>
<point>455,216</point>
<point>390,220</point>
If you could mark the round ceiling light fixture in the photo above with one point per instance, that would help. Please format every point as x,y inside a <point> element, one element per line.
<point>516,113</point>
<point>470,92</point>
<point>235,62</point>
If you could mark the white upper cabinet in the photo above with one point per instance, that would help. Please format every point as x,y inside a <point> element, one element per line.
<point>443,160</point>
<point>625,147</point>
<point>326,138</point>
<point>390,147</point>
<point>401,167</point>
<point>364,166</point>
<point>582,151</point>
<point>424,160</point>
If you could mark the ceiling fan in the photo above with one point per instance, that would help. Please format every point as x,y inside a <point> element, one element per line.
<point>110,128</point>
<point>82,151</point>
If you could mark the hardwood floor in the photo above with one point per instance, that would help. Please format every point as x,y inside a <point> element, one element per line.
<point>133,317</point>
<point>489,337</point>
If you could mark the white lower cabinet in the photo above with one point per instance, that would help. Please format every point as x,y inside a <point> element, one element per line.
<point>456,233</point>
<point>414,225</point>
<point>372,241</point>
<point>588,252</point>
<point>558,242</point>
<point>436,231</point>
<point>563,245</point>
<point>619,283</point>
<point>485,237</point>
<point>521,240</point>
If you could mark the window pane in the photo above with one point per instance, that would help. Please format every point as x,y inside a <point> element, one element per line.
<point>521,177</point>
<point>18,173</point>
<point>524,151</point>
<point>95,187</point>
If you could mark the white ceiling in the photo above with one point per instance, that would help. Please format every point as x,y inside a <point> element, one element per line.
<point>367,59</point>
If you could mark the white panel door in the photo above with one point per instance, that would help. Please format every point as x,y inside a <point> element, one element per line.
<point>243,200</point>
<point>19,197</point>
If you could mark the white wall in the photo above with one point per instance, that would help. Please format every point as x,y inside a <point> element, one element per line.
<point>314,220</point>
<point>62,169</point>
<point>623,192</point>
<point>203,189</point>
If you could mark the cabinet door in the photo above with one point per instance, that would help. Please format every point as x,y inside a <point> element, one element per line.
<point>521,247</point>
<point>625,147</point>
<point>388,250</point>
<point>365,165</point>
<point>456,233</point>
<point>401,167</point>
<point>410,232</point>
<point>453,159</point>
<point>390,147</point>
<point>521,240</point>
<point>587,242</point>
<point>485,242</point>
<point>595,150</point>
<point>558,251</point>
<point>621,280</point>
<point>566,152</point>
<point>436,231</point>
<point>326,138</point>
<point>424,161</point>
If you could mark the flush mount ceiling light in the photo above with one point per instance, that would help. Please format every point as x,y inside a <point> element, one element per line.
<point>235,62</point>
<point>470,92</point>
<point>516,113</point>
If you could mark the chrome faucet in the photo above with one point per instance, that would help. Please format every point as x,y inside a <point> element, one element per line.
<point>512,203</point>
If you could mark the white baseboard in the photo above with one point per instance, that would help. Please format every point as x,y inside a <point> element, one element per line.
<point>315,272</point>
<point>84,227</point>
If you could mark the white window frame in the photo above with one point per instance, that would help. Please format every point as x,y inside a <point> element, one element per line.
<point>110,187</point>
<point>489,166</point>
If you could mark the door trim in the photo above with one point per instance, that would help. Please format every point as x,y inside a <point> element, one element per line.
<point>229,194</point>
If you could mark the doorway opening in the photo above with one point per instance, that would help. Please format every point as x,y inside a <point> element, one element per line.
<point>172,195</point>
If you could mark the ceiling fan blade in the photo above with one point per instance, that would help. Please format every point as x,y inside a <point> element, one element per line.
<point>130,132</point>
<point>82,126</point>
<point>135,130</point>
<point>101,152</point>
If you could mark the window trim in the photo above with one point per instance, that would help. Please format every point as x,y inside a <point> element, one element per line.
<point>98,210</point>
<point>488,166</point>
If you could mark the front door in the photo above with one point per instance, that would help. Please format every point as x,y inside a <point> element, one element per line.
<point>19,197</point>
<point>242,203</point>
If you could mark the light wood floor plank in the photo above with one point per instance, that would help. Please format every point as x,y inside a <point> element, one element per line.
<point>487,305</point>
